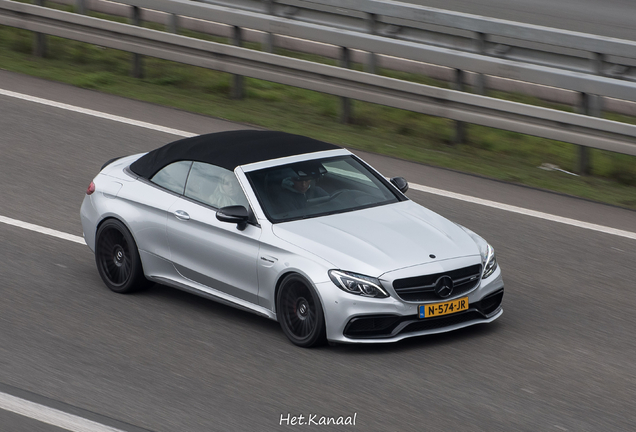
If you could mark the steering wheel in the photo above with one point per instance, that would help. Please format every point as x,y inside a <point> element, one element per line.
<point>336,194</point>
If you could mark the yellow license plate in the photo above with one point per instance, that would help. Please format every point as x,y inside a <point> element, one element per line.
<point>445,308</point>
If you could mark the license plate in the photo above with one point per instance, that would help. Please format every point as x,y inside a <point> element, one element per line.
<point>445,308</point>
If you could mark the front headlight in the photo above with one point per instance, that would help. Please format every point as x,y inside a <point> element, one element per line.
<point>489,261</point>
<point>357,284</point>
<point>488,258</point>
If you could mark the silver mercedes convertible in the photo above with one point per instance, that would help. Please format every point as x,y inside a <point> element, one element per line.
<point>297,230</point>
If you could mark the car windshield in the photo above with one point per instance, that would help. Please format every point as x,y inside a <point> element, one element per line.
<point>319,187</point>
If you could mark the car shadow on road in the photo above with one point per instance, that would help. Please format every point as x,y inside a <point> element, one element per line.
<point>262,326</point>
<point>194,303</point>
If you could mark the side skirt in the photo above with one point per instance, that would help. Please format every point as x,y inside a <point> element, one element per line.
<point>212,294</point>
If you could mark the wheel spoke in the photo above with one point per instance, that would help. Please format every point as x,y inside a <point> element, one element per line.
<point>308,327</point>
<point>108,242</point>
<point>125,265</point>
<point>301,328</point>
<point>290,301</point>
<point>118,276</point>
<point>111,268</point>
<point>311,319</point>
<point>126,269</point>
<point>124,246</point>
<point>293,321</point>
<point>299,290</point>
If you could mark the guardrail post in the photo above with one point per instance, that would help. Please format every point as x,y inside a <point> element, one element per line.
<point>39,39</point>
<point>592,105</point>
<point>345,103</point>
<point>137,64</point>
<point>372,19</point>
<point>173,23</point>
<point>480,86</point>
<point>80,6</point>
<point>598,60</point>
<point>238,82</point>
<point>460,126</point>
<point>269,37</point>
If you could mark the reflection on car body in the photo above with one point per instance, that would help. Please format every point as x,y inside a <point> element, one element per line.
<point>294,229</point>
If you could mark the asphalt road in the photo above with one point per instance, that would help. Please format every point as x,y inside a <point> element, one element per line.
<point>613,18</point>
<point>560,358</point>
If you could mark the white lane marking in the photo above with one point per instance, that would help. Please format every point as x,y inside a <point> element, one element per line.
<point>441,192</point>
<point>97,114</point>
<point>51,416</point>
<point>525,211</point>
<point>42,230</point>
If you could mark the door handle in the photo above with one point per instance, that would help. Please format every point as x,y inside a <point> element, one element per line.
<point>180,214</point>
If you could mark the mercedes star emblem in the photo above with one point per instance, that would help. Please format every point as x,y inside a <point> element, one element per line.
<point>444,286</point>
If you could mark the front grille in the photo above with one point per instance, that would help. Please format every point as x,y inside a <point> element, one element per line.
<point>422,288</point>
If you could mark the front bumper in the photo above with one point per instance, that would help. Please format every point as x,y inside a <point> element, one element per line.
<point>355,319</point>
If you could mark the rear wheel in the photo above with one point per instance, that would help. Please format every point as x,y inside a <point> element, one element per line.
<point>300,313</point>
<point>117,258</point>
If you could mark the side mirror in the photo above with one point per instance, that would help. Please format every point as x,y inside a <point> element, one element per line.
<point>400,183</point>
<point>234,214</point>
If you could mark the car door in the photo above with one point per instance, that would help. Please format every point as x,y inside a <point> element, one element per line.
<point>149,203</point>
<point>203,249</point>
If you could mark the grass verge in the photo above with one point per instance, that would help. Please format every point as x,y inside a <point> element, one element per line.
<point>498,154</point>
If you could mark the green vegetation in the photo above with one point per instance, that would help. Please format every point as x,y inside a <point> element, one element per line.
<point>489,152</point>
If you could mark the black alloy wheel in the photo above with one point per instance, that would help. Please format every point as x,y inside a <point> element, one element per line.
<point>300,313</point>
<point>117,258</point>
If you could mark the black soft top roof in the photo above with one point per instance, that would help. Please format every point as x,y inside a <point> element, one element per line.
<point>228,150</point>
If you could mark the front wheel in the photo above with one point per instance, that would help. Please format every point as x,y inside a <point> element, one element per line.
<point>300,313</point>
<point>117,258</point>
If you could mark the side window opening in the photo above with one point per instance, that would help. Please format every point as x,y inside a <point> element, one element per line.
<point>173,177</point>
<point>214,186</point>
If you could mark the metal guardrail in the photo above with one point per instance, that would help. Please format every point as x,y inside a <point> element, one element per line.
<point>460,31</point>
<point>460,60</point>
<point>532,120</point>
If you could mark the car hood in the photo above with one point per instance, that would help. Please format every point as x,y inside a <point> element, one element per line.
<point>376,240</point>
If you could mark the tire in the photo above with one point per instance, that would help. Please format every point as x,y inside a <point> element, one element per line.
<point>117,258</point>
<point>300,313</point>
